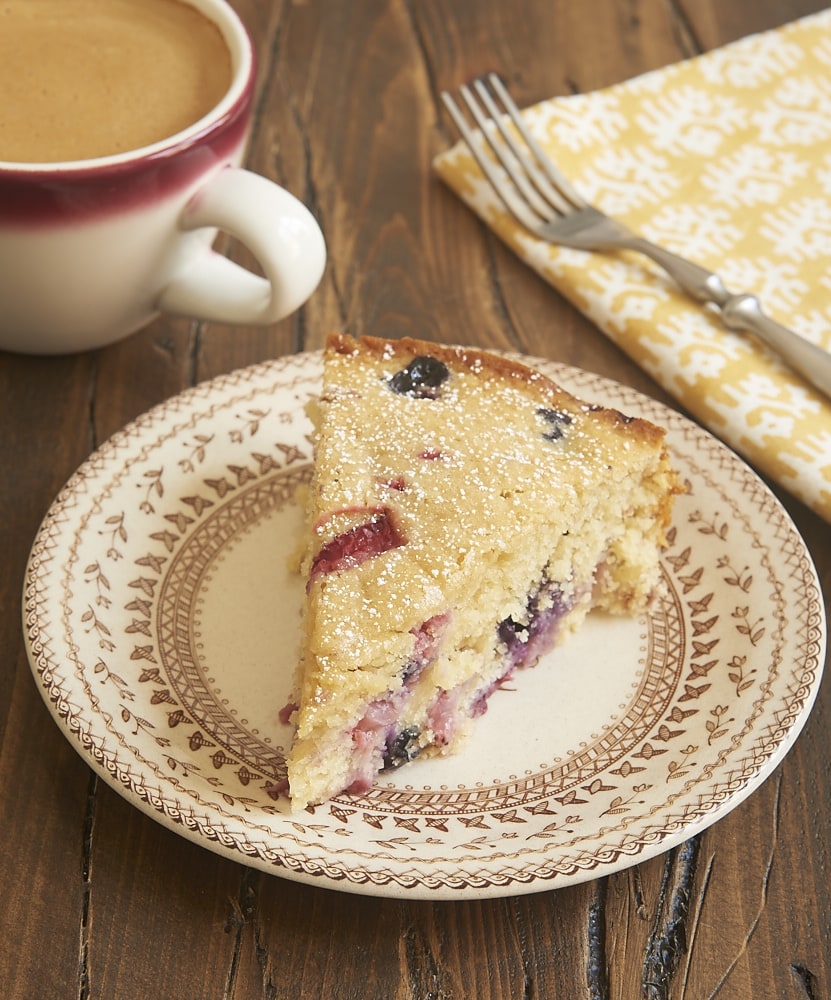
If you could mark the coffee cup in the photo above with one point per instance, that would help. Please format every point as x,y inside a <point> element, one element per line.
<point>114,184</point>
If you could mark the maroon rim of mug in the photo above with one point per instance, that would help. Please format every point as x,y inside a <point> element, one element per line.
<point>35,195</point>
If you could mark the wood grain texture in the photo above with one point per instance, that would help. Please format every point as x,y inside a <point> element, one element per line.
<point>98,901</point>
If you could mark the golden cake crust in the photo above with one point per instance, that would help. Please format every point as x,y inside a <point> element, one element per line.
<point>495,366</point>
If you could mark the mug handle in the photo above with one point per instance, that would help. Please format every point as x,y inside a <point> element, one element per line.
<point>278,229</point>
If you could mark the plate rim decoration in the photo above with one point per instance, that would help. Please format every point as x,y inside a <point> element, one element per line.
<point>131,659</point>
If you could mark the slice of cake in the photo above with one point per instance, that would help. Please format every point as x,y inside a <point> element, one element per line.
<point>465,514</point>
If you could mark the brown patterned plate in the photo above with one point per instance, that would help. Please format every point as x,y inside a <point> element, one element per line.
<point>161,619</point>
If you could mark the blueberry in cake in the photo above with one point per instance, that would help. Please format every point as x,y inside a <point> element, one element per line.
<point>465,514</point>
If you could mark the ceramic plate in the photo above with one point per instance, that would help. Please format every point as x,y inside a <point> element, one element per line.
<point>161,617</point>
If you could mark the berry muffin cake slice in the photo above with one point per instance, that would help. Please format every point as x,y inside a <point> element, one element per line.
<point>465,514</point>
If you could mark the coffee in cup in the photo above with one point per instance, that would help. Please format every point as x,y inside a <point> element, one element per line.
<point>82,79</point>
<point>122,129</point>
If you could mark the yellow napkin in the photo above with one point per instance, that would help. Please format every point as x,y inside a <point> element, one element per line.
<point>725,159</point>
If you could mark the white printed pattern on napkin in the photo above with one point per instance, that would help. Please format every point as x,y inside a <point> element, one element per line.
<point>725,159</point>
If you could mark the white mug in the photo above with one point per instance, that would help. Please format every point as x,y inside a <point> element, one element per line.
<point>92,250</point>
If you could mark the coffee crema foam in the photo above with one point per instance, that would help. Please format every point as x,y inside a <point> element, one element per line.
<point>92,78</point>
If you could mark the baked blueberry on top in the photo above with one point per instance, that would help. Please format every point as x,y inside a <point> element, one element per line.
<point>421,377</point>
<point>465,514</point>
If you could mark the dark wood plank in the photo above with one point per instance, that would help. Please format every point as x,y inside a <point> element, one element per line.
<point>369,115</point>
<point>162,911</point>
<point>45,433</point>
<point>712,25</point>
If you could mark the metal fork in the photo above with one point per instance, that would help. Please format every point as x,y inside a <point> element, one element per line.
<point>542,200</point>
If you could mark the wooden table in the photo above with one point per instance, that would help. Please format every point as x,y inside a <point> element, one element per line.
<point>97,899</point>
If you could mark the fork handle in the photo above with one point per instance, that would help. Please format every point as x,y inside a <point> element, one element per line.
<point>743,312</point>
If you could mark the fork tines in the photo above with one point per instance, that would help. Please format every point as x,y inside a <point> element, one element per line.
<point>529,184</point>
